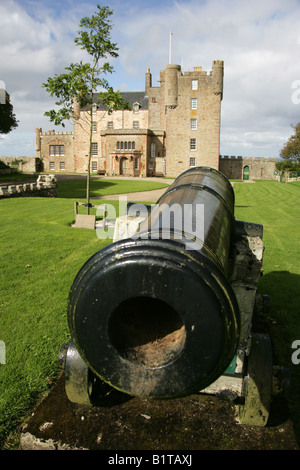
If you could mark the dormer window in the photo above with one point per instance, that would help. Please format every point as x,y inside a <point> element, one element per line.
<point>136,107</point>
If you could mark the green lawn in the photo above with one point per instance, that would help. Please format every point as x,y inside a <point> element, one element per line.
<point>41,254</point>
<point>276,207</point>
<point>104,187</point>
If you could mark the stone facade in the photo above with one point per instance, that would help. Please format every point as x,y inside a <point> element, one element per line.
<point>55,150</point>
<point>190,107</point>
<point>168,129</point>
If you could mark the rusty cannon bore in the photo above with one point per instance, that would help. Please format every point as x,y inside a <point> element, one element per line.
<point>156,315</point>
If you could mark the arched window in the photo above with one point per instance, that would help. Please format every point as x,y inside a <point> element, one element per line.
<point>133,145</point>
<point>118,145</point>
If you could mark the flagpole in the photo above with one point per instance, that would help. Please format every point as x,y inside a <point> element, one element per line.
<point>170,48</point>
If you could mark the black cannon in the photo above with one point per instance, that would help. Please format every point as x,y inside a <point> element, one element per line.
<point>155,315</point>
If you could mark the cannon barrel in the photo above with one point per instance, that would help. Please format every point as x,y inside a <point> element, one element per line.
<point>155,315</point>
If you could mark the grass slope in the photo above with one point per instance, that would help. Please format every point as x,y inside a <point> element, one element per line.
<point>105,187</point>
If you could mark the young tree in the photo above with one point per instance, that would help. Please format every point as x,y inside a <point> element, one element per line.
<point>291,151</point>
<point>81,81</point>
<point>8,120</point>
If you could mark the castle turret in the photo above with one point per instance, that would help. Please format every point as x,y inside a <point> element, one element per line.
<point>172,72</point>
<point>217,74</point>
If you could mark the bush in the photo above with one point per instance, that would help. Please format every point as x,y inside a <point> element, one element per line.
<point>287,165</point>
<point>3,166</point>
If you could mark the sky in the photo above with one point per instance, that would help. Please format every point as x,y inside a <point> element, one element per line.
<point>259,42</point>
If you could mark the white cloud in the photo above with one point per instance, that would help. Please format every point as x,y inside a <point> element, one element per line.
<point>258,41</point>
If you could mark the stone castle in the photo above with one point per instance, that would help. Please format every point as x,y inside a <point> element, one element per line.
<point>169,129</point>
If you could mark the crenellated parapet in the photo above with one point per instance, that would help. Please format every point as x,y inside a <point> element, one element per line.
<point>227,157</point>
<point>55,133</point>
<point>248,159</point>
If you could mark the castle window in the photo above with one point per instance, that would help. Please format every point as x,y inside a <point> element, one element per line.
<point>193,124</point>
<point>192,161</point>
<point>194,84</point>
<point>135,124</point>
<point>94,166</point>
<point>136,163</point>
<point>136,107</point>
<point>110,125</point>
<point>118,145</point>
<point>94,148</point>
<point>129,145</point>
<point>125,145</point>
<point>56,150</point>
<point>94,127</point>
<point>51,166</point>
<point>62,166</point>
<point>153,149</point>
<point>133,145</point>
<point>122,145</point>
<point>194,103</point>
<point>193,144</point>
<point>94,109</point>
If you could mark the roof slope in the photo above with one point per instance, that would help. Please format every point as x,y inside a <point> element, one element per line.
<point>130,96</point>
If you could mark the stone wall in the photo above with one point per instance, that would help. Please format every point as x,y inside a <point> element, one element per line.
<point>24,164</point>
<point>45,186</point>
<point>258,167</point>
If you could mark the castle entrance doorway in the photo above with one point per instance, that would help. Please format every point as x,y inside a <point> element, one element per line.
<point>246,173</point>
<point>124,166</point>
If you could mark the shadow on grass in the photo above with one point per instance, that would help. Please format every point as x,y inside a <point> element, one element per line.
<point>77,188</point>
<point>282,323</point>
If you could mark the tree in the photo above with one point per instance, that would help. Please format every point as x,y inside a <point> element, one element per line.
<point>81,81</point>
<point>291,152</point>
<point>8,120</point>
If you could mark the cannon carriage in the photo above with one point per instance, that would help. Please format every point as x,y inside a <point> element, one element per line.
<point>168,312</point>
